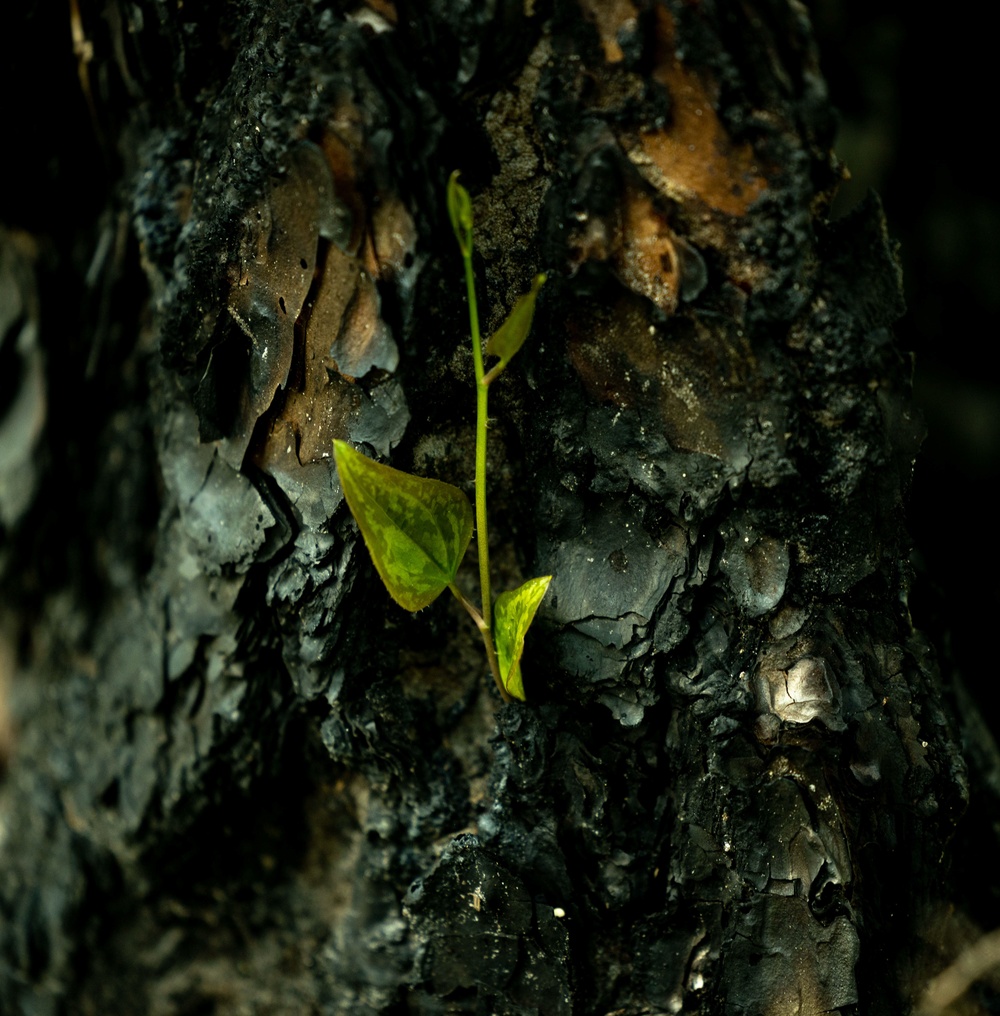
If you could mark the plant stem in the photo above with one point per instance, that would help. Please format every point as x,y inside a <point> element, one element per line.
<point>482,392</point>
<point>484,630</point>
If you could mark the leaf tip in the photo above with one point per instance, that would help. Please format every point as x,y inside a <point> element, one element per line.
<point>515,684</point>
<point>460,213</point>
<point>513,615</point>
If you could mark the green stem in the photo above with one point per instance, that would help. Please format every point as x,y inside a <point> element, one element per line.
<point>482,391</point>
<point>484,630</point>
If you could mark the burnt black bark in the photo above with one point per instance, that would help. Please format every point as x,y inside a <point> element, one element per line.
<point>239,778</point>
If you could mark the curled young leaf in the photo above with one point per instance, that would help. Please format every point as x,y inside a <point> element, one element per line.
<point>416,530</point>
<point>460,213</point>
<point>512,618</point>
<point>510,336</point>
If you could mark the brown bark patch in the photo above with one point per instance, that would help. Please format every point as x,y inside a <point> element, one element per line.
<point>693,157</point>
<point>610,18</point>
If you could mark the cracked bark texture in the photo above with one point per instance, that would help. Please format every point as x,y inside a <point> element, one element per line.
<point>240,780</point>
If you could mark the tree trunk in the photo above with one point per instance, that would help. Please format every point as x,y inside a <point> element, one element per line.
<point>241,780</point>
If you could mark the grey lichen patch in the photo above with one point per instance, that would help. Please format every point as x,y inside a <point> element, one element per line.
<point>757,568</point>
<point>787,621</point>
<point>221,511</point>
<point>610,577</point>
<point>198,606</point>
<point>610,581</point>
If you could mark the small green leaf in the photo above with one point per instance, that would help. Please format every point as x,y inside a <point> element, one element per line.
<point>416,530</point>
<point>512,618</point>
<point>510,336</point>
<point>460,213</point>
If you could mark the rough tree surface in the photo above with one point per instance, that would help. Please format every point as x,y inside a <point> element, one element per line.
<point>240,780</point>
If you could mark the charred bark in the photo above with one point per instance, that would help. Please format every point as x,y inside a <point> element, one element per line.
<point>243,780</point>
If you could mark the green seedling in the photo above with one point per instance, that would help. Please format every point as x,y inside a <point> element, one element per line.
<point>417,530</point>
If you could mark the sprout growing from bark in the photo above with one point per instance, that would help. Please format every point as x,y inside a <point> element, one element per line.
<point>417,530</point>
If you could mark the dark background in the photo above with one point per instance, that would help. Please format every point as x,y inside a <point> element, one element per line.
<point>915,95</point>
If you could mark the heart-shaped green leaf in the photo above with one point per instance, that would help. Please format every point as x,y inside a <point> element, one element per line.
<point>416,530</point>
<point>510,336</point>
<point>512,618</point>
